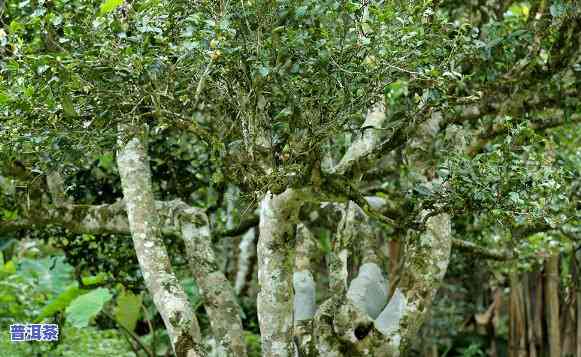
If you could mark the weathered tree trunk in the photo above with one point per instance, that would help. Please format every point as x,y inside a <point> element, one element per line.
<point>362,322</point>
<point>427,258</point>
<point>168,295</point>
<point>278,215</point>
<point>227,254</point>
<point>552,302</point>
<point>56,188</point>
<point>494,322</point>
<point>219,298</point>
<point>305,291</point>
<point>342,249</point>
<point>568,324</point>
<point>365,144</point>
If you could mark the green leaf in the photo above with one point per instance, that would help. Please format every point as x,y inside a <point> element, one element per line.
<point>60,303</point>
<point>68,107</point>
<point>4,98</point>
<point>63,300</point>
<point>127,310</point>
<point>8,215</point>
<point>52,275</point>
<point>86,307</point>
<point>557,9</point>
<point>519,10</point>
<point>109,5</point>
<point>397,89</point>
<point>286,112</point>
<point>16,26</point>
<point>106,161</point>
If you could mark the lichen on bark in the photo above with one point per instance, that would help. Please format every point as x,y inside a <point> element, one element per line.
<point>167,293</point>
<point>427,258</point>
<point>278,215</point>
<point>219,298</point>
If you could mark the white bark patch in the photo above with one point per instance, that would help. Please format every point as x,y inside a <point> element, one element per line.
<point>368,290</point>
<point>215,348</point>
<point>388,322</point>
<point>439,230</point>
<point>376,202</point>
<point>247,251</point>
<point>365,144</point>
<point>304,301</point>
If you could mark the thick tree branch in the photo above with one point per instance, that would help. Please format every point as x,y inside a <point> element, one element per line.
<point>365,144</point>
<point>278,215</point>
<point>219,298</point>
<point>92,219</point>
<point>168,295</point>
<point>426,264</point>
<point>341,190</point>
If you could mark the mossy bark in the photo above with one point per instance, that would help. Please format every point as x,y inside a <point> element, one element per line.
<point>278,215</point>
<point>219,298</point>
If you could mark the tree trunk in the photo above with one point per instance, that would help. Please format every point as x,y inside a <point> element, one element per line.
<point>539,313</point>
<point>394,264</point>
<point>247,251</point>
<point>219,298</point>
<point>305,291</point>
<point>529,316</point>
<point>517,318</point>
<point>278,214</point>
<point>552,302</point>
<point>168,295</point>
<point>427,258</point>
